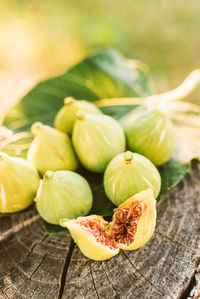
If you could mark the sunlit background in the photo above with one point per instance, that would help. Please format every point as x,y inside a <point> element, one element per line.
<point>39,39</point>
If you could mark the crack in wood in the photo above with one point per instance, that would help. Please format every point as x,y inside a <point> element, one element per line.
<point>160,292</point>
<point>93,282</point>
<point>16,266</point>
<point>192,287</point>
<point>177,243</point>
<point>117,295</point>
<point>65,268</point>
<point>18,227</point>
<point>38,266</point>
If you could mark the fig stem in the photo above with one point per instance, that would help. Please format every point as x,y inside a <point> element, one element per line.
<point>48,175</point>
<point>36,127</point>
<point>80,115</point>
<point>128,156</point>
<point>179,93</point>
<point>68,100</point>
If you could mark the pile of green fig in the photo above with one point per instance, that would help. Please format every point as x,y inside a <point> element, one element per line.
<point>127,153</point>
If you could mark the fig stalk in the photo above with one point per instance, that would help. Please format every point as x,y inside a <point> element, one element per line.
<point>128,157</point>
<point>177,94</point>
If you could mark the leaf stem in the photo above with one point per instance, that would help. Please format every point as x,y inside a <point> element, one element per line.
<point>177,94</point>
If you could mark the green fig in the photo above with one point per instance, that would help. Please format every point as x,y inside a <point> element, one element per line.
<point>97,139</point>
<point>129,173</point>
<point>66,116</point>
<point>18,184</point>
<point>150,133</point>
<point>63,194</point>
<point>51,150</point>
<point>132,226</point>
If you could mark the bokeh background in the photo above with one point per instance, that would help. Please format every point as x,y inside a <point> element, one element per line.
<point>39,39</point>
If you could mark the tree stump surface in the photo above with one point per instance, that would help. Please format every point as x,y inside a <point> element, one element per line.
<point>36,265</point>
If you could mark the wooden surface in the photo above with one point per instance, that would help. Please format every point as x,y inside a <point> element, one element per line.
<point>36,265</point>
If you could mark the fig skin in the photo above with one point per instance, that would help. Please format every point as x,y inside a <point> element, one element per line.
<point>97,139</point>
<point>51,150</point>
<point>63,194</point>
<point>66,116</point>
<point>94,249</point>
<point>18,184</point>
<point>86,242</point>
<point>129,173</point>
<point>149,133</point>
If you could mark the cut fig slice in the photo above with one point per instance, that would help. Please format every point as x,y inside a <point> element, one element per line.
<point>132,226</point>
<point>89,233</point>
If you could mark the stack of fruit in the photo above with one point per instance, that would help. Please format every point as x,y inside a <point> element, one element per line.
<point>83,135</point>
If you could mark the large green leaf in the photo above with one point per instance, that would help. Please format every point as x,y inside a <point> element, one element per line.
<point>104,75</point>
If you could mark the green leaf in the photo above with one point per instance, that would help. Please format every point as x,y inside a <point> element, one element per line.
<point>171,174</point>
<point>104,75</point>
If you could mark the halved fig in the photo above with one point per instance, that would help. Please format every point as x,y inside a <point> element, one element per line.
<point>132,226</point>
<point>89,233</point>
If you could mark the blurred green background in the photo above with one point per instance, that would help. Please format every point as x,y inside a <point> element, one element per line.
<point>43,38</point>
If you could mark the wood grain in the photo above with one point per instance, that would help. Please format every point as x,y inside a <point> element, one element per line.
<point>36,265</point>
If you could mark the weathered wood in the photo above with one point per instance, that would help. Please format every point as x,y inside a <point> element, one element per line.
<point>31,262</point>
<point>162,268</point>
<point>35,265</point>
